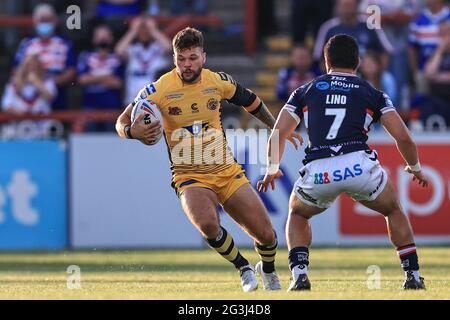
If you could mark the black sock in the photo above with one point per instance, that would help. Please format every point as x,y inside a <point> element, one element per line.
<point>408,257</point>
<point>224,245</point>
<point>298,256</point>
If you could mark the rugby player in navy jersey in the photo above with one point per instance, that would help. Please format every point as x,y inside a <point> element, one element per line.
<point>338,109</point>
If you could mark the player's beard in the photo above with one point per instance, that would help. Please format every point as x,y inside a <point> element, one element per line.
<point>195,75</point>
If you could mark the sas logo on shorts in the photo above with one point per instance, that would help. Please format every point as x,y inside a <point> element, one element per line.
<point>322,85</point>
<point>338,175</point>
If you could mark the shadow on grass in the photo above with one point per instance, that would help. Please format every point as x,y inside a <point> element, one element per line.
<point>199,267</point>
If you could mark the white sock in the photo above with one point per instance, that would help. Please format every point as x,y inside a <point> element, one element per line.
<point>298,270</point>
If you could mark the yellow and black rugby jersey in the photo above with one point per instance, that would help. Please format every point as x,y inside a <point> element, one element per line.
<point>192,119</point>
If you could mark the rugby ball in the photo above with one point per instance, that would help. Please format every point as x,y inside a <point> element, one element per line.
<point>151,113</point>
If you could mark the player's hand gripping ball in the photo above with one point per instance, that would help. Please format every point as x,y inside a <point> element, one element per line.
<point>150,114</point>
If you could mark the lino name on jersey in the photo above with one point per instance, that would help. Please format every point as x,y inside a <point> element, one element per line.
<point>337,109</point>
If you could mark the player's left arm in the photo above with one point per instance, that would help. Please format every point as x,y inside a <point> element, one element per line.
<point>284,128</point>
<point>252,104</point>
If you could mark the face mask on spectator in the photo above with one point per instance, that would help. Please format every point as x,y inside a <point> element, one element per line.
<point>45,28</point>
<point>103,45</point>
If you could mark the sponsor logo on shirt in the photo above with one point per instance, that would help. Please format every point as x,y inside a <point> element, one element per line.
<point>343,86</point>
<point>148,90</point>
<point>209,91</point>
<point>194,108</point>
<point>174,96</point>
<point>322,85</point>
<point>175,111</point>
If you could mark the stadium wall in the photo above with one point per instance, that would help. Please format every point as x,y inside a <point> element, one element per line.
<point>121,196</point>
<point>107,193</point>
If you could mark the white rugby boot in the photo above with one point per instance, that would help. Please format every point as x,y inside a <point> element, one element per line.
<point>248,278</point>
<point>270,280</point>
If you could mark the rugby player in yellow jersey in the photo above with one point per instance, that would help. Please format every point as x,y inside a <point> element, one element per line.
<point>204,172</point>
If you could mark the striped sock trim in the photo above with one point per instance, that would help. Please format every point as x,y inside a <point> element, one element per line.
<point>226,248</point>
<point>405,250</point>
<point>267,255</point>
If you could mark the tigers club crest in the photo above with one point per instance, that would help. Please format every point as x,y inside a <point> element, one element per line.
<point>212,104</point>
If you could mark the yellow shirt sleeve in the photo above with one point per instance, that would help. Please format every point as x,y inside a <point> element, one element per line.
<point>150,92</point>
<point>227,85</point>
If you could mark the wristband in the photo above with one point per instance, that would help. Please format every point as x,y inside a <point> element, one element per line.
<point>415,168</point>
<point>127,131</point>
<point>272,168</point>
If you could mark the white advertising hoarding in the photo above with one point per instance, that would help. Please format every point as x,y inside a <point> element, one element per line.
<point>121,197</point>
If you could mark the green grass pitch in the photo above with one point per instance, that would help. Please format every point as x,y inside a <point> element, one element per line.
<point>335,273</point>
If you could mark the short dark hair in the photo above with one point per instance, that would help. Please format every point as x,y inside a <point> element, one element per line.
<point>342,51</point>
<point>187,38</point>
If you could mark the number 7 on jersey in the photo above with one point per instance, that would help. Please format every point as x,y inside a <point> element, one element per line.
<point>339,115</point>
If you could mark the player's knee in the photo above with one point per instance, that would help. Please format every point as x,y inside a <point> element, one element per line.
<point>394,208</point>
<point>267,237</point>
<point>298,212</point>
<point>209,229</point>
<point>394,212</point>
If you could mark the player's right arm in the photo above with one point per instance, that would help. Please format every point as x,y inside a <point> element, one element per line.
<point>395,126</point>
<point>147,134</point>
<point>283,130</point>
<point>136,130</point>
<point>288,119</point>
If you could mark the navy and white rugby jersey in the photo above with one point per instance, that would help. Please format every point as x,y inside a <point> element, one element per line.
<point>338,109</point>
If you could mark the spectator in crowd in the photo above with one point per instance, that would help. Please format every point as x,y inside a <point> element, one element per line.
<point>300,71</point>
<point>30,91</point>
<point>423,41</point>
<point>307,16</point>
<point>349,22</point>
<point>145,57</point>
<point>56,53</point>
<point>178,7</point>
<point>372,70</point>
<point>101,76</point>
<point>437,72</point>
<point>424,32</point>
<point>114,8</point>
<point>395,19</point>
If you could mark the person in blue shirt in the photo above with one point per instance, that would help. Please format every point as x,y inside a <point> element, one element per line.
<point>424,33</point>
<point>55,52</point>
<point>349,22</point>
<point>298,73</point>
<point>100,73</point>
<point>373,72</point>
<point>436,107</point>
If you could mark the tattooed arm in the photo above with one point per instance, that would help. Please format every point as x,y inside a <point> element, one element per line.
<point>252,104</point>
<point>262,113</point>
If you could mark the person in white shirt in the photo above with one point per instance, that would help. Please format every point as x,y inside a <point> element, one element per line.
<point>145,57</point>
<point>30,91</point>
